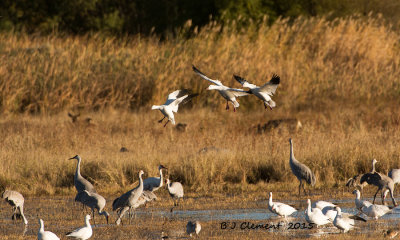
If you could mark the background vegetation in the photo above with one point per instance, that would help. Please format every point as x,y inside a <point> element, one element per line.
<point>340,78</point>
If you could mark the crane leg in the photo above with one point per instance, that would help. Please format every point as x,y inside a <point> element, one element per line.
<point>123,211</point>
<point>94,222</point>
<point>393,200</point>
<point>373,202</point>
<point>227,106</point>
<point>299,188</point>
<point>160,121</point>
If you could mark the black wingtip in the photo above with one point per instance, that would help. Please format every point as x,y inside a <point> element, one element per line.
<point>275,79</point>
<point>238,78</point>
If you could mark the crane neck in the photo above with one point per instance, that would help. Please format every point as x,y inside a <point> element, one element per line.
<point>291,152</point>
<point>78,168</point>
<point>373,166</point>
<point>140,182</point>
<point>161,178</point>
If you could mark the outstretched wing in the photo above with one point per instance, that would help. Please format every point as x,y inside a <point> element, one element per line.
<point>216,82</point>
<point>244,82</point>
<point>238,92</point>
<point>270,87</point>
<point>182,100</point>
<point>175,95</point>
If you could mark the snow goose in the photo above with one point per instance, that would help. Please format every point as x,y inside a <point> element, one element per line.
<point>172,104</point>
<point>280,209</point>
<point>84,232</point>
<point>315,215</point>
<point>345,222</point>
<point>359,202</point>
<point>264,92</point>
<point>45,235</point>
<point>230,94</point>
<point>375,211</point>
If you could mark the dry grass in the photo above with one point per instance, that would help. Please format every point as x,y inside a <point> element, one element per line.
<point>348,61</point>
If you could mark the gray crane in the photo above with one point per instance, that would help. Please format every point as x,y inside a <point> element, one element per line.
<point>193,227</point>
<point>16,200</point>
<point>127,200</point>
<point>147,196</point>
<point>154,183</point>
<point>175,190</point>
<point>355,181</point>
<point>81,183</point>
<point>301,171</point>
<point>381,181</point>
<point>230,94</point>
<point>94,201</point>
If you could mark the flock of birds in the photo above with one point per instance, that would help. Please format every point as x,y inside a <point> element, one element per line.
<point>318,213</point>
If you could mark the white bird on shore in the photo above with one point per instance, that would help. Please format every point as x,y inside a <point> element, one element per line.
<point>172,104</point>
<point>375,211</point>
<point>279,208</point>
<point>360,203</point>
<point>230,94</point>
<point>45,235</point>
<point>16,200</point>
<point>175,190</point>
<point>84,232</point>
<point>154,183</point>
<point>345,222</point>
<point>315,215</point>
<point>264,92</point>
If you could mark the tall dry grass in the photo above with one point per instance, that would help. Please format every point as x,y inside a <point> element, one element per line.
<point>321,63</point>
<point>339,78</point>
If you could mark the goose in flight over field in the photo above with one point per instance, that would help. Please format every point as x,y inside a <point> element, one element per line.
<point>45,235</point>
<point>172,104</point>
<point>315,215</point>
<point>94,201</point>
<point>84,232</point>
<point>301,171</point>
<point>81,183</point>
<point>128,200</point>
<point>264,92</point>
<point>16,200</point>
<point>279,208</point>
<point>230,94</point>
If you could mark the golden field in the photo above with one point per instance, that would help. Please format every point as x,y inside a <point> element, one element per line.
<point>339,78</point>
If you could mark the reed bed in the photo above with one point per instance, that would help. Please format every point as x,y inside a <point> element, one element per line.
<point>321,63</point>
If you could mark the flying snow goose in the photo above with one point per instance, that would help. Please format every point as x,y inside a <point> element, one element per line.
<point>230,94</point>
<point>84,232</point>
<point>315,215</point>
<point>279,208</point>
<point>172,104</point>
<point>264,92</point>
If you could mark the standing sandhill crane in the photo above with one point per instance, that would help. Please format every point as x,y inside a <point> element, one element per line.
<point>301,171</point>
<point>94,201</point>
<point>381,181</point>
<point>172,104</point>
<point>84,232</point>
<point>264,92</point>
<point>315,215</point>
<point>355,181</point>
<point>127,200</point>
<point>193,227</point>
<point>230,94</point>
<point>81,183</point>
<point>280,209</point>
<point>154,183</point>
<point>147,196</point>
<point>45,235</point>
<point>16,200</point>
<point>175,190</point>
